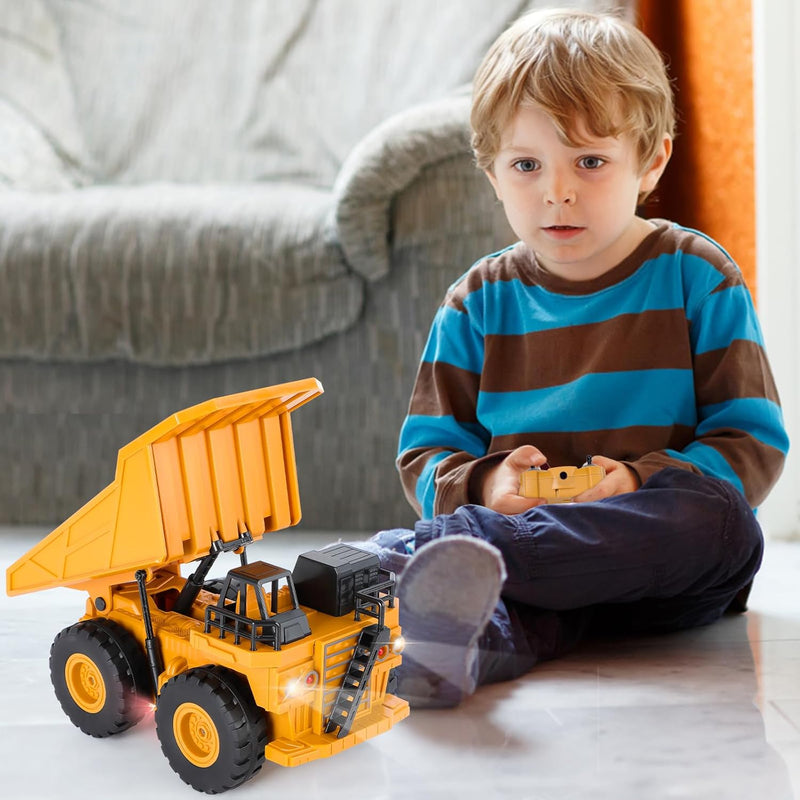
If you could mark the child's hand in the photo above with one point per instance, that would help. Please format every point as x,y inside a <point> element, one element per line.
<point>619,479</point>
<point>499,485</point>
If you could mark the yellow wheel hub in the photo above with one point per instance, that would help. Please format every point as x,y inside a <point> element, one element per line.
<point>195,734</point>
<point>85,683</point>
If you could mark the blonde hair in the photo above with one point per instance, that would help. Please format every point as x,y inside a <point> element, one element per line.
<point>579,67</point>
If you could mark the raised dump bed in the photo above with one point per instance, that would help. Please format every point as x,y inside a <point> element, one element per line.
<point>206,473</point>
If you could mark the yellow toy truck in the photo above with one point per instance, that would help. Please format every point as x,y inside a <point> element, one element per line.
<point>262,664</point>
<point>560,484</point>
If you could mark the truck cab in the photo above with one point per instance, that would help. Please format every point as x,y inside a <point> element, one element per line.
<point>258,601</point>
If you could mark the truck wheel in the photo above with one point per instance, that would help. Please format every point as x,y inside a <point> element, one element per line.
<point>210,728</point>
<point>100,677</point>
<point>392,683</point>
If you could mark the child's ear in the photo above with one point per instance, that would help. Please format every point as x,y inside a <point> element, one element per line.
<point>493,180</point>
<point>653,173</point>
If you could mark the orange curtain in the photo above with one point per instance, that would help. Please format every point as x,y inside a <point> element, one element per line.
<point>710,183</point>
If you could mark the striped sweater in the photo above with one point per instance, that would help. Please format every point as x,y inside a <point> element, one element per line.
<point>658,362</point>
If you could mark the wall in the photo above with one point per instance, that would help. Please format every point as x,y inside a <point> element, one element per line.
<point>710,183</point>
<point>776,27</point>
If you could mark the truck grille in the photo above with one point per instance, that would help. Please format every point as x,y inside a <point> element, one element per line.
<point>335,659</point>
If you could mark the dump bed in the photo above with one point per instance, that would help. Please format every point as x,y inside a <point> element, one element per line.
<point>208,472</point>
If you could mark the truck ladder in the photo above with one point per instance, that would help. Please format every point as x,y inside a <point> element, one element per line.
<point>356,678</point>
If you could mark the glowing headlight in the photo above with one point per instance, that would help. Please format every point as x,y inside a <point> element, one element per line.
<point>398,645</point>
<point>302,684</point>
<point>294,688</point>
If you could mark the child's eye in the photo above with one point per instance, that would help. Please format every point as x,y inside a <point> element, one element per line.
<point>591,162</point>
<point>526,165</point>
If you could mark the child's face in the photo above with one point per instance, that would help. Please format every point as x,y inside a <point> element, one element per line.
<point>575,207</point>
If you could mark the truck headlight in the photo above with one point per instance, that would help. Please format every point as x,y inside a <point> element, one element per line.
<point>302,684</point>
<point>398,645</point>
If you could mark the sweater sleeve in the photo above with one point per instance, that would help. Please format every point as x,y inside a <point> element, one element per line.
<point>739,434</point>
<point>441,439</point>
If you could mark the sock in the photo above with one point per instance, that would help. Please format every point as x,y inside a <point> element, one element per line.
<point>447,593</point>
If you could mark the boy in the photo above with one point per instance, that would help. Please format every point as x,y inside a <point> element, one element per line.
<point>599,333</point>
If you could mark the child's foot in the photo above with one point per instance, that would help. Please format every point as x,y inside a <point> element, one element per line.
<point>447,594</point>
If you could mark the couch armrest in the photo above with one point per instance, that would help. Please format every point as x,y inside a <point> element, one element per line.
<point>386,161</point>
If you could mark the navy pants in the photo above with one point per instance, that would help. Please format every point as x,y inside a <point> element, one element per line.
<point>672,555</point>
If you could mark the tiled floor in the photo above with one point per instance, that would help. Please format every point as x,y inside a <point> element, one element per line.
<point>712,713</point>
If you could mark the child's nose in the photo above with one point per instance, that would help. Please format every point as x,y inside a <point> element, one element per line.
<point>559,191</point>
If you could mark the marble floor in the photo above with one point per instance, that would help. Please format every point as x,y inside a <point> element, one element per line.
<point>712,713</point>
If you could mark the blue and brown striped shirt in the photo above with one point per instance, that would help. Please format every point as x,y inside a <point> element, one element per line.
<point>658,362</point>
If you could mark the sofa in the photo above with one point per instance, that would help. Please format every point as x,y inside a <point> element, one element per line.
<point>202,198</point>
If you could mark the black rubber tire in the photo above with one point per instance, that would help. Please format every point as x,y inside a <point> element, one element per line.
<point>393,683</point>
<point>240,728</point>
<point>115,663</point>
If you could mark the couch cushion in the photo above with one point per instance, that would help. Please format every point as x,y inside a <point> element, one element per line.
<point>33,77</point>
<point>167,274</point>
<point>27,159</point>
<point>240,90</point>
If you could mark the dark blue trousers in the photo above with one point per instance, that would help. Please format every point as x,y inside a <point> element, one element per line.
<point>672,555</point>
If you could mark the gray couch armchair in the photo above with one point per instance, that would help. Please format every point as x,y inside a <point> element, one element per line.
<point>201,198</point>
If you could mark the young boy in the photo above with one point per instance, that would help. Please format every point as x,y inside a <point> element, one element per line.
<point>599,333</point>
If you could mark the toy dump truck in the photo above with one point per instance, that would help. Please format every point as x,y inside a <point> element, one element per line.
<point>263,663</point>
